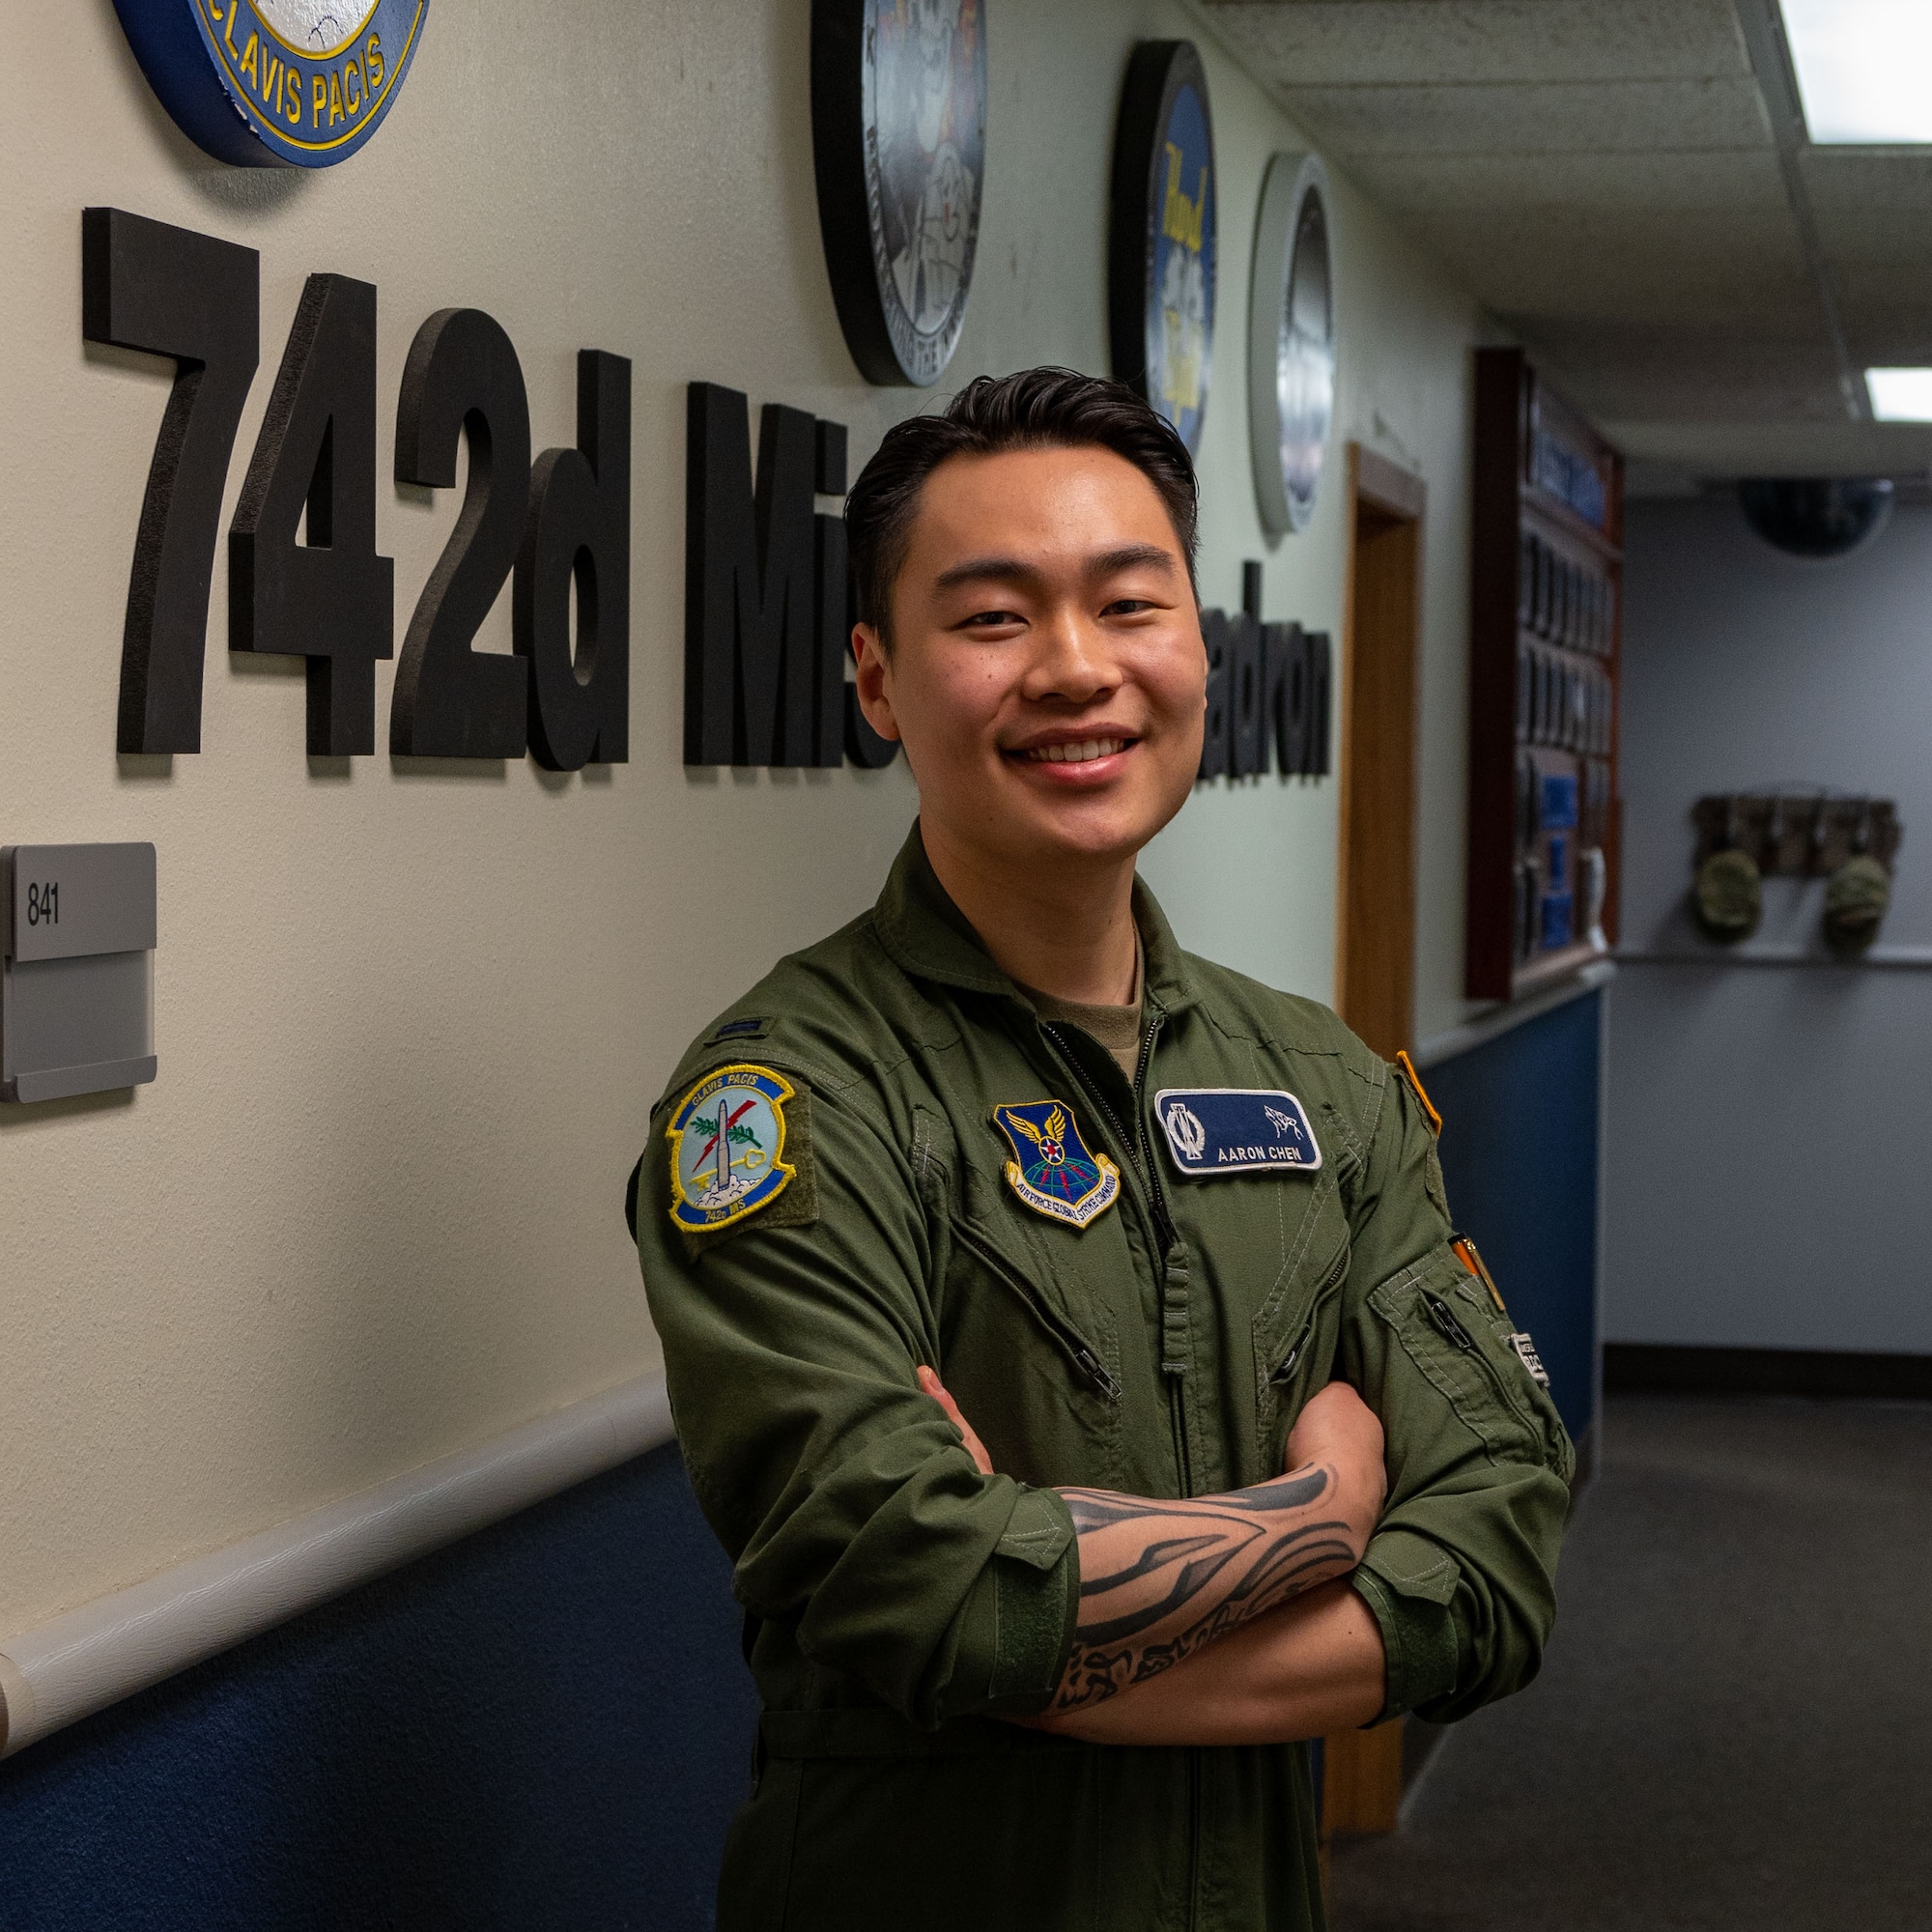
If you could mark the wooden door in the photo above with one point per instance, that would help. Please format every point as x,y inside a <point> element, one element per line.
<point>1374,968</point>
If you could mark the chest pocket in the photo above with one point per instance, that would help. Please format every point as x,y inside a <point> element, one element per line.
<point>1296,1328</point>
<point>1030,1358</point>
<point>1451,1334</point>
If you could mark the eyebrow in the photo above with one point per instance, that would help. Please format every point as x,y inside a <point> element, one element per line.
<point>1013,570</point>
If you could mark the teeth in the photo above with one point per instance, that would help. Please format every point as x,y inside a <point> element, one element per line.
<point>1078,753</point>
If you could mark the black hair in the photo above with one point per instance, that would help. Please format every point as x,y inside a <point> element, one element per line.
<point>1034,408</point>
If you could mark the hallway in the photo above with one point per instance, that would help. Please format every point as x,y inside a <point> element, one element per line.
<point>1730,1729</point>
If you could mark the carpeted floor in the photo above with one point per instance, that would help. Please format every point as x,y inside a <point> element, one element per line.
<point>1733,1727</point>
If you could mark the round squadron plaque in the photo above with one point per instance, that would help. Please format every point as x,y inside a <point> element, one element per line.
<point>1291,342</point>
<point>1160,256</point>
<point>898,124</point>
<point>275,83</point>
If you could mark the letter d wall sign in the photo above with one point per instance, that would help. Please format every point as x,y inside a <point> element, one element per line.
<point>276,83</point>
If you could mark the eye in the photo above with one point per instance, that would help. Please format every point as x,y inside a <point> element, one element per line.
<point>1128,607</point>
<point>991,621</point>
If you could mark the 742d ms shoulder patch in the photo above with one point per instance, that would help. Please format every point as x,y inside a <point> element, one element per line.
<point>727,1139</point>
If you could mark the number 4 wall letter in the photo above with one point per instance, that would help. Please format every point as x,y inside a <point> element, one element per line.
<point>330,599</point>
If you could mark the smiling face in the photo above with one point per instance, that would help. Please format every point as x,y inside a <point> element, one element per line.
<point>1047,674</point>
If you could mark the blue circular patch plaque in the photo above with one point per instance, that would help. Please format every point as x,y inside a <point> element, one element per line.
<point>1161,248</point>
<point>266,83</point>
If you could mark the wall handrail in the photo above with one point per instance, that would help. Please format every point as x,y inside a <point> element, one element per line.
<point>88,1658</point>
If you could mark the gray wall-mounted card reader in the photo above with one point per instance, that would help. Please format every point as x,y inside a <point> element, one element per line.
<point>76,969</point>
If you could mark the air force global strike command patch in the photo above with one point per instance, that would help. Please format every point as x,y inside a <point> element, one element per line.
<point>1215,1131</point>
<point>726,1140</point>
<point>1052,1170</point>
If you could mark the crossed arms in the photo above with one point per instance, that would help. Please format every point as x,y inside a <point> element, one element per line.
<point>1225,1619</point>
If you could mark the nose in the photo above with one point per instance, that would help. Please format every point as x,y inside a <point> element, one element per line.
<point>1074,660</point>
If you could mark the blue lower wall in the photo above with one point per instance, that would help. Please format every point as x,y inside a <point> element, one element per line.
<point>548,1725</point>
<point>1519,1155</point>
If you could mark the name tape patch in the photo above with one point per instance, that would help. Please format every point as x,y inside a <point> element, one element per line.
<point>1214,1130</point>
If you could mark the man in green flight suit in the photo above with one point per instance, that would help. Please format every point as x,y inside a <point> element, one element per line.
<point>1065,1333</point>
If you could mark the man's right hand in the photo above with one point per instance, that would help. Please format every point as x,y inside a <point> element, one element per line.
<point>1340,1430</point>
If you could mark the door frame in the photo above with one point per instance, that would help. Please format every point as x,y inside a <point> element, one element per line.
<point>1390,495</point>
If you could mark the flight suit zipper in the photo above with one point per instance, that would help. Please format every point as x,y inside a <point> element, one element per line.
<point>1071,1344</point>
<point>1283,1371</point>
<point>1139,1151</point>
<point>1174,1349</point>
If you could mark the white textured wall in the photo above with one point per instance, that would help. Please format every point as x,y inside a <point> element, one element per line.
<point>1769,1123</point>
<point>410,1022</point>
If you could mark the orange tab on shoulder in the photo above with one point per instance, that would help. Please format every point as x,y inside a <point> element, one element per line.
<point>1407,1067</point>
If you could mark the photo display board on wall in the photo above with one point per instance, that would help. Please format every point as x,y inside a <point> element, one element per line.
<point>1546,624</point>
<point>1160,253</point>
<point>898,132</point>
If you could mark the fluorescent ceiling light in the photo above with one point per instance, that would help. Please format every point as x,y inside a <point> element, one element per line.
<point>1864,68</point>
<point>1900,395</point>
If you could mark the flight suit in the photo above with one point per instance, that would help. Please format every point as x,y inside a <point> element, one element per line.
<point>897,1601</point>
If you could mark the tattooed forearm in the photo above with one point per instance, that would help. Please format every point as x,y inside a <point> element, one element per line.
<point>1159,1580</point>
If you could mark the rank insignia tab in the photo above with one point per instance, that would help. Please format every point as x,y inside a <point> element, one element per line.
<point>1052,1170</point>
<point>726,1148</point>
<point>1212,1130</point>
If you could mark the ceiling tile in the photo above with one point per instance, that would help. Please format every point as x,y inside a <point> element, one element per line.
<point>1352,42</point>
<point>1621,117</point>
<point>1708,374</point>
<point>1764,448</point>
<point>1845,183</point>
<point>1622,267</point>
<point>1663,183</point>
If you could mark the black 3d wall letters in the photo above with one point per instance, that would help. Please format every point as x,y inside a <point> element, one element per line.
<point>171,292</point>
<point>1267,692</point>
<point>578,530</point>
<point>767,593</point>
<point>462,379</point>
<point>305,577</point>
<point>322,594</point>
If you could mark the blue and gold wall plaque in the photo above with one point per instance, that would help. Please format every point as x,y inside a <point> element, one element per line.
<point>1160,250</point>
<point>267,83</point>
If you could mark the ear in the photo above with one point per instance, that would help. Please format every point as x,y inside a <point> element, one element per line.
<point>876,681</point>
